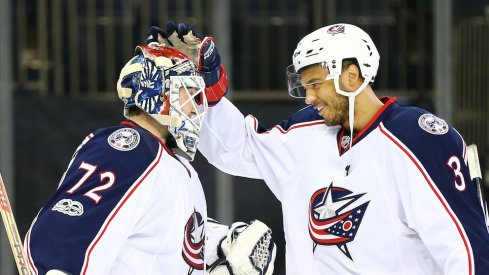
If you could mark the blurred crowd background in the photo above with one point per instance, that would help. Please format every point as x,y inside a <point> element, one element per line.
<point>60,60</point>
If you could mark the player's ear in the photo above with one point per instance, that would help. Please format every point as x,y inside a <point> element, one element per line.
<point>350,77</point>
<point>353,74</point>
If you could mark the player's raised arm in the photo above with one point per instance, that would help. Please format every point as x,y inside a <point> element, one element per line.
<point>236,144</point>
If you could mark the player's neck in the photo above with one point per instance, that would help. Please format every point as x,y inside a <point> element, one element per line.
<point>149,123</point>
<point>367,104</point>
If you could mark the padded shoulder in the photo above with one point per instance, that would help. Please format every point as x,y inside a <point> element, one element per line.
<point>425,134</point>
<point>120,146</point>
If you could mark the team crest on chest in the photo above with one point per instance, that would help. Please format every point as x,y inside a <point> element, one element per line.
<point>332,220</point>
<point>433,124</point>
<point>124,139</point>
<point>193,243</point>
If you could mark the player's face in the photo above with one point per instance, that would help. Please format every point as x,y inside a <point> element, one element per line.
<point>187,102</point>
<point>321,94</point>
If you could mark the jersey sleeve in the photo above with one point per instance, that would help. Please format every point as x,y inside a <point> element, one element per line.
<point>240,146</point>
<point>437,194</point>
<point>99,201</point>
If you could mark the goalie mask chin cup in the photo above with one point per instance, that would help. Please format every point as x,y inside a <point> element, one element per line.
<point>164,83</point>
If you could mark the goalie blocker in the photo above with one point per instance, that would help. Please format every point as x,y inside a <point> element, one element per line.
<point>242,249</point>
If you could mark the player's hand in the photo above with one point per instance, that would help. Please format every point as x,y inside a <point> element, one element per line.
<point>201,50</point>
<point>157,35</point>
<point>246,249</point>
<point>183,38</point>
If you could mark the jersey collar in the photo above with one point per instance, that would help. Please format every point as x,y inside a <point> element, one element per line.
<point>343,135</point>
<point>170,152</point>
<point>163,143</point>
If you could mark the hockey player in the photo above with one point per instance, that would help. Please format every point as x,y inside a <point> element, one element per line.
<point>130,202</point>
<point>366,186</point>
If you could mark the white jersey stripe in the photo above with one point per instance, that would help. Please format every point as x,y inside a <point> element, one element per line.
<point>281,130</point>
<point>118,207</point>
<point>28,252</point>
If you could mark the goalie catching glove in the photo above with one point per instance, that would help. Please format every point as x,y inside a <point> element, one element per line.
<point>246,249</point>
<point>201,50</point>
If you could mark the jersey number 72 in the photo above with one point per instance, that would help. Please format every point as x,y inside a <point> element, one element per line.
<point>92,193</point>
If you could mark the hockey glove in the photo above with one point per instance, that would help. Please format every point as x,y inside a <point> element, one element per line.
<point>157,35</point>
<point>215,232</point>
<point>201,50</point>
<point>247,249</point>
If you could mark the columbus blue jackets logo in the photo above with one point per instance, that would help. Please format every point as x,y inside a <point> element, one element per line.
<point>193,243</point>
<point>124,139</point>
<point>433,124</point>
<point>332,220</point>
<point>336,29</point>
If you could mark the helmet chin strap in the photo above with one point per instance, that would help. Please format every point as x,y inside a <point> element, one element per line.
<point>351,112</point>
<point>167,120</point>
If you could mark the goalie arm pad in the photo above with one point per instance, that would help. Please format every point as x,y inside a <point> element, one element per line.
<point>247,249</point>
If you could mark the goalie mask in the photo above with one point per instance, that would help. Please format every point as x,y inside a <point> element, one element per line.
<point>164,83</point>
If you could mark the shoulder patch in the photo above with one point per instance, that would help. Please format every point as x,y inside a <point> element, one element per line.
<point>124,139</point>
<point>433,124</point>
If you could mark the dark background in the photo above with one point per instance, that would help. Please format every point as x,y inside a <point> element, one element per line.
<point>51,120</point>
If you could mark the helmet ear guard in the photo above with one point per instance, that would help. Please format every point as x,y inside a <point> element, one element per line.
<point>164,83</point>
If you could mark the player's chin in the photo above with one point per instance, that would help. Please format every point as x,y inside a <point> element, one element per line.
<point>329,121</point>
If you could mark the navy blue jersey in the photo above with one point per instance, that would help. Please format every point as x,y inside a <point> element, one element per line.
<point>117,194</point>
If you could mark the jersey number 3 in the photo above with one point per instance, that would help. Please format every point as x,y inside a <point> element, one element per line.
<point>454,163</point>
<point>107,176</point>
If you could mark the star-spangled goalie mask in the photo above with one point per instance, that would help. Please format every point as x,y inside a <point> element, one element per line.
<point>164,83</point>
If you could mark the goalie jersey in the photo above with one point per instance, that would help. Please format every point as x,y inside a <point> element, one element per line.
<point>407,206</point>
<point>125,205</point>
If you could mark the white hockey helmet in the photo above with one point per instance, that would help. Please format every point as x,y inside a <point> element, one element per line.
<point>330,46</point>
<point>164,83</point>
